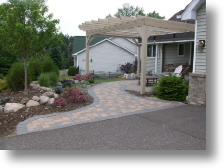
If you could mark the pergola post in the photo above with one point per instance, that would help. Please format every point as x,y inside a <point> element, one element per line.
<point>139,55</point>
<point>88,40</point>
<point>145,33</point>
<point>87,55</point>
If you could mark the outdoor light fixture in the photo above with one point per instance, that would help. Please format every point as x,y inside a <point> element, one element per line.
<point>201,45</point>
<point>91,60</point>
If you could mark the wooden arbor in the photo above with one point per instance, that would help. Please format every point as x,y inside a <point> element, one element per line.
<point>132,28</point>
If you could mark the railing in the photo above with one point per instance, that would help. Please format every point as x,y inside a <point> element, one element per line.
<point>103,74</point>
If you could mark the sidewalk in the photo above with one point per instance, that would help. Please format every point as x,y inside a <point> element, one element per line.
<point>110,101</point>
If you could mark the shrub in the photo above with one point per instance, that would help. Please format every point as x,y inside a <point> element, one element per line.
<point>16,76</point>
<point>91,80</point>
<point>49,66</point>
<point>75,95</point>
<point>44,80</point>
<point>126,67</point>
<point>1,76</point>
<point>53,78</point>
<point>72,71</point>
<point>120,77</point>
<point>60,101</point>
<point>36,68</point>
<point>170,88</point>
<point>3,85</point>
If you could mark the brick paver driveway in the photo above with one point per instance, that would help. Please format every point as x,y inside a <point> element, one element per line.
<point>110,101</point>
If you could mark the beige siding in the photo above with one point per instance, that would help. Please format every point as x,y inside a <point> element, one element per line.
<point>125,43</point>
<point>200,62</point>
<point>106,57</point>
<point>171,53</point>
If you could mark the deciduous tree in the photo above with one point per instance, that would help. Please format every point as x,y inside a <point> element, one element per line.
<point>26,28</point>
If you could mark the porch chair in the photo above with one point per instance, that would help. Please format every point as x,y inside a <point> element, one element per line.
<point>177,71</point>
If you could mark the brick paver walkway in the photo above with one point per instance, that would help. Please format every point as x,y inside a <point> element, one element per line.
<point>110,101</point>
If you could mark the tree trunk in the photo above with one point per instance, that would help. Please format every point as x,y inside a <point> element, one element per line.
<point>25,68</point>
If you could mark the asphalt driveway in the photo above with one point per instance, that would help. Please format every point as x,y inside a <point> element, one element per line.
<point>177,128</point>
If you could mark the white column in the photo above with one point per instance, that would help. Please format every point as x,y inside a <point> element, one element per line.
<point>156,59</point>
<point>138,66</point>
<point>143,59</point>
<point>87,55</point>
<point>195,45</point>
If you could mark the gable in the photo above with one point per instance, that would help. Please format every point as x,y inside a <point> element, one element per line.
<point>110,42</point>
<point>79,43</point>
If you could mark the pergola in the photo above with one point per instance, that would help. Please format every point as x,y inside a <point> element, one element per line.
<point>132,28</point>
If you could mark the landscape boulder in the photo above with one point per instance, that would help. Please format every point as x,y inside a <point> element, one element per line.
<point>24,100</point>
<point>31,103</point>
<point>49,94</point>
<point>51,101</point>
<point>36,98</point>
<point>44,99</point>
<point>12,107</point>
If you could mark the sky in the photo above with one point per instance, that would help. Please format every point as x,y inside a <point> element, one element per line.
<point>72,13</point>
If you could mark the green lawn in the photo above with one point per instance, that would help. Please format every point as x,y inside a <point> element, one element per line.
<point>105,80</point>
<point>95,79</point>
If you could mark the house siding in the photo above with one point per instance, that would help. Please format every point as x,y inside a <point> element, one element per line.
<point>170,53</point>
<point>200,61</point>
<point>125,43</point>
<point>106,57</point>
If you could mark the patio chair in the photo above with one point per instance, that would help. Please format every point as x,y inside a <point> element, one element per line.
<point>177,71</point>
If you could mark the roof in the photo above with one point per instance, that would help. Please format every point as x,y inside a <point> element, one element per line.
<point>176,17</point>
<point>106,39</point>
<point>79,43</point>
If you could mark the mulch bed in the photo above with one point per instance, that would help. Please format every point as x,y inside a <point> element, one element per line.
<point>9,121</point>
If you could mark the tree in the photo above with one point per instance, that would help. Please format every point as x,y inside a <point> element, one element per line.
<point>155,15</point>
<point>132,11</point>
<point>55,54</point>
<point>26,29</point>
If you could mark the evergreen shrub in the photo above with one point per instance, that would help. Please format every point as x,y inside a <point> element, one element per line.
<point>48,65</point>
<point>35,66</point>
<point>72,71</point>
<point>16,76</point>
<point>170,88</point>
<point>44,80</point>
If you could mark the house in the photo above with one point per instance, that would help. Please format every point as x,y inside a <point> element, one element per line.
<point>196,11</point>
<point>106,54</point>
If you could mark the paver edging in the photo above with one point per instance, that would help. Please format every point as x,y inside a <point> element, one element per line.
<point>21,127</point>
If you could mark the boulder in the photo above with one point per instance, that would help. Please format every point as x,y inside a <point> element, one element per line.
<point>36,98</point>
<point>44,88</point>
<point>51,101</point>
<point>49,94</point>
<point>56,96</point>
<point>4,100</point>
<point>31,103</point>
<point>12,107</point>
<point>76,81</point>
<point>34,82</point>
<point>44,99</point>
<point>37,86</point>
<point>24,100</point>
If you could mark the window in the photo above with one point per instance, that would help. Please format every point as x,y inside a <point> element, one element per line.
<point>181,48</point>
<point>151,51</point>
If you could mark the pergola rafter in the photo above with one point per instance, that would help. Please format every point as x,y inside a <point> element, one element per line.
<point>133,28</point>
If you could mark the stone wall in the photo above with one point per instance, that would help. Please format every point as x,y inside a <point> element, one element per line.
<point>197,89</point>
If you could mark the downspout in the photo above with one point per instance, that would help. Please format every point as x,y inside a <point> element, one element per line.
<point>195,44</point>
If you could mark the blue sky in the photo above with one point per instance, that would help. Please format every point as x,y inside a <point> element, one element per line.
<point>72,13</point>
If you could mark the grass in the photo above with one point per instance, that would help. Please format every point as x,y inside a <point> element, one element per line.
<point>95,79</point>
<point>105,80</point>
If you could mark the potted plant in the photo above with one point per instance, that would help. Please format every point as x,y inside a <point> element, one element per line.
<point>149,73</point>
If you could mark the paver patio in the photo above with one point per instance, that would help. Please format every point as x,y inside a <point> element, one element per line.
<point>110,101</point>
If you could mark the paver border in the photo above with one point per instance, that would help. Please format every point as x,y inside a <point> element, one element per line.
<point>21,127</point>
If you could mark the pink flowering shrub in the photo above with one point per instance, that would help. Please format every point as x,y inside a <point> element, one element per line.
<point>60,101</point>
<point>86,77</point>
<point>75,95</point>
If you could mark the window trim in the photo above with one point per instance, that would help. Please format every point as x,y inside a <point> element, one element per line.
<point>178,47</point>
